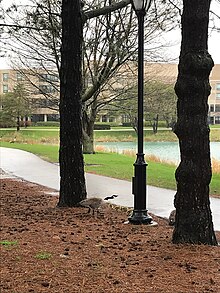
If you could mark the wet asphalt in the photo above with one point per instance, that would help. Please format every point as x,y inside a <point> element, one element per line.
<point>21,164</point>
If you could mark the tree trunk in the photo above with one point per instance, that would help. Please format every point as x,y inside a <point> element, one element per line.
<point>88,131</point>
<point>88,143</point>
<point>18,123</point>
<point>72,181</point>
<point>155,124</point>
<point>193,223</point>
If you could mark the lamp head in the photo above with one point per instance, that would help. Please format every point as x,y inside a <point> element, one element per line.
<point>141,5</point>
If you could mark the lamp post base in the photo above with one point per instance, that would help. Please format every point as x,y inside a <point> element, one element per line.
<point>140,217</point>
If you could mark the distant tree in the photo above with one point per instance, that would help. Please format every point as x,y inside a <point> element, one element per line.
<point>14,106</point>
<point>193,223</point>
<point>159,104</point>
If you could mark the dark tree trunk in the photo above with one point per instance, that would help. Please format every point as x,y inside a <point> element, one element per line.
<point>193,223</point>
<point>18,123</point>
<point>155,124</point>
<point>72,182</point>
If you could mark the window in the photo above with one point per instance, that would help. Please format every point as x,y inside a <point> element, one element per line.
<point>218,86</point>
<point>104,118</point>
<point>48,77</point>
<point>39,103</point>
<point>20,76</point>
<point>211,108</point>
<point>53,117</point>
<point>45,89</point>
<point>37,117</point>
<point>5,76</point>
<point>217,120</point>
<point>5,88</point>
<point>218,96</point>
<point>211,120</point>
<point>217,108</point>
<point>125,118</point>
<point>43,103</point>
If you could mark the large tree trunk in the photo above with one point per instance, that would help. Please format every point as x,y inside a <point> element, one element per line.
<point>193,223</point>
<point>72,182</point>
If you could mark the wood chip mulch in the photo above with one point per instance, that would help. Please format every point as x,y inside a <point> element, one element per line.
<point>49,249</point>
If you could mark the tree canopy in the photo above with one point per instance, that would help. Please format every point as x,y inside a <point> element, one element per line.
<point>14,106</point>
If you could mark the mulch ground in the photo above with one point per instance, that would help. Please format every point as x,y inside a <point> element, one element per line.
<point>49,249</point>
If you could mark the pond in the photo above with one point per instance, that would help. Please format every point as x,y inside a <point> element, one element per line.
<point>168,151</point>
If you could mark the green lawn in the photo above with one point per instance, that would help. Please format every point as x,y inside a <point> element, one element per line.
<point>51,135</point>
<point>30,135</point>
<point>116,166</point>
<point>130,135</point>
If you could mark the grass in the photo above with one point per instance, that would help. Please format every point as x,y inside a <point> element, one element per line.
<point>51,135</point>
<point>215,126</point>
<point>130,135</point>
<point>160,174</point>
<point>43,255</point>
<point>8,243</point>
<point>215,134</point>
<point>107,164</point>
<point>30,135</point>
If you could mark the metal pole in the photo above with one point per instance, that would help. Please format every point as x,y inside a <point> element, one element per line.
<point>139,215</point>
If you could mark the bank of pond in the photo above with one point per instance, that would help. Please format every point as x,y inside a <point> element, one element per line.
<point>167,151</point>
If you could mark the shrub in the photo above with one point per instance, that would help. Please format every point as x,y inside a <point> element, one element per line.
<point>48,124</point>
<point>126,124</point>
<point>7,124</point>
<point>102,127</point>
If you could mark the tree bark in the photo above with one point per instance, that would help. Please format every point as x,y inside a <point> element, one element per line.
<point>88,144</point>
<point>88,132</point>
<point>72,181</point>
<point>193,223</point>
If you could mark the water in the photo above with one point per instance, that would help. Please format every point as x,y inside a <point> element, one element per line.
<point>164,150</point>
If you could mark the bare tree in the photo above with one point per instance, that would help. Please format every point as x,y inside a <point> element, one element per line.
<point>109,43</point>
<point>159,102</point>
<point>113,56</point>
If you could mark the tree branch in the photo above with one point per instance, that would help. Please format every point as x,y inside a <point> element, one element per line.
<point>106,9</point>
<point>20,26</point>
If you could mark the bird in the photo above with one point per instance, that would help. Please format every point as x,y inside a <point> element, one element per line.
<point>172,218</point>
<point>111,197</point>
<point>92,203</point>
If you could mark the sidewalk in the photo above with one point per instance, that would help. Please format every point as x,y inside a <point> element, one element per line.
<point>31,168</point>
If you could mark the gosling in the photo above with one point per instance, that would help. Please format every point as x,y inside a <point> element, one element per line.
<point>172,218</point>
<point>92,203</point>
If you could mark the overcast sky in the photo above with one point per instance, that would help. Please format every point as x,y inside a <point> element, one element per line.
<point>174,37</point>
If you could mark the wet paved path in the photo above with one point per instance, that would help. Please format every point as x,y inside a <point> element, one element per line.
<point>32,168</point>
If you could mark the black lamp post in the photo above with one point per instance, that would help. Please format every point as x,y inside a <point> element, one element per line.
<point>139,215</point>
